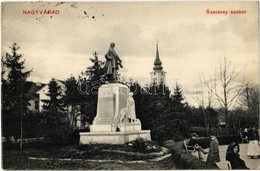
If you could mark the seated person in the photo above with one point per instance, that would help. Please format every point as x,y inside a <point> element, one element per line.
<point>233,157</point>
<point>192,142</point>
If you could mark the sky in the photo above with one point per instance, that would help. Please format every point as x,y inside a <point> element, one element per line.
<point>191,41</point>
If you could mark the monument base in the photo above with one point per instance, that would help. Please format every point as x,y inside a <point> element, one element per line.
<point>122,127</point>
<point>112,137</point>
<point>115,122</point>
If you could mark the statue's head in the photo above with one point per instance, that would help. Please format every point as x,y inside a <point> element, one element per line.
<point>112,44</point>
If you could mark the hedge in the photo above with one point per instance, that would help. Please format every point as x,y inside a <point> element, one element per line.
<point>184,160</point>
<point>223,140</point>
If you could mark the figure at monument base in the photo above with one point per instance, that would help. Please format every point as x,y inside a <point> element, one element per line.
<point>115,122</point>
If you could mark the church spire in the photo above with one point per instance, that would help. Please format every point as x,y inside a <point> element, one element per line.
<point>157,63</point>
<point>157,75</point>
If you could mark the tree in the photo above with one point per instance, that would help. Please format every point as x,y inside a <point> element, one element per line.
<point>251,98</point>
<point>55,101</point>
<point>239,118</point>
<point>205,98</point>
<point>14,89</point>
<point>249,101</point>
<point>177,97</point>
<point>158,113</point>
<point>88,86</point>
<point>72,99</point>
<point>228,85</point>
<point>95,72</point>
<point>54,123</point>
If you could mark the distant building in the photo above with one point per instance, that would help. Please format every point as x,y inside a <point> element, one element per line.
<point>33,96</point>
<point>158,75</point>
<point>38,92</point>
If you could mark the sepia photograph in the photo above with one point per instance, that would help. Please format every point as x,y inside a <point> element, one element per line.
<point>124,85</point>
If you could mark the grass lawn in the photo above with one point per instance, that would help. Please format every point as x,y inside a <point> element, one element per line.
<point>105,157</point>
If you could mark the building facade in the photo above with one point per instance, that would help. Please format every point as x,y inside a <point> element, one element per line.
<point>38,92</point>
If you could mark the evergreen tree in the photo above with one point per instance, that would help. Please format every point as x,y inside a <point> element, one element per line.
<point>54,124</point>
<point>177,97</point>
<point>55,101</point>
<point>72,98</point>
<point>95,72</point>
<point>89,84</point>
<point>13,88</point>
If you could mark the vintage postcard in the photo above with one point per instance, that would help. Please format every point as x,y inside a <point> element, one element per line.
<point>130,85</point>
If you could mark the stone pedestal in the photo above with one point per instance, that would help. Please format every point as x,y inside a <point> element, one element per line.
<point>111,100</point>
<point>112,137</point>
<point>111,124</point>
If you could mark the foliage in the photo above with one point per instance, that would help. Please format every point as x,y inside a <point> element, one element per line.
<point>72,96</point>
<point>177,97</point>
<point>14,88</point>
<point>243,116</point>
<point>240,118</point>
<point>184,160</point>
<point>55,129</point>
<point>95,72</point>
<point>249,103</point>
<point>166,119</point>
<point>139,145</point>
<point>250,98</point>
<point>72,99</point>
<point>53,125</point>
<point>55,102</point>
<point>92,79</point>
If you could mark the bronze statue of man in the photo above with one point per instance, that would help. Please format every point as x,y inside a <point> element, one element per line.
<point>112,63</point>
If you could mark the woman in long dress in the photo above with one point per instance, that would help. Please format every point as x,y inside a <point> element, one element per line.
<point>253,145</point>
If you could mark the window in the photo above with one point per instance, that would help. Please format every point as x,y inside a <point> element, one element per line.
<point>36,106</point>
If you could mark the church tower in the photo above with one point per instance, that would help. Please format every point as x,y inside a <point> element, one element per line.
<point>157,75</point>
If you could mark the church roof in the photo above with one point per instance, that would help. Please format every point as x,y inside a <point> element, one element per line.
<point>157,63</point>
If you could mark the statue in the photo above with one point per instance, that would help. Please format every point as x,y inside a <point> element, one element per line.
<point>128,114</point>
<point>130,108</point>
<point>112,63</point>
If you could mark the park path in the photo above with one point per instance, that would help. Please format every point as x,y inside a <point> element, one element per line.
<point>251,163</point>
<point>160,156</point>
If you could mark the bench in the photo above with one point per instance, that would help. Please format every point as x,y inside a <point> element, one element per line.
<point>188,148</point>
<point>228,165</point>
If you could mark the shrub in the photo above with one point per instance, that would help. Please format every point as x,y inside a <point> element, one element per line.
<point>177,136</point>
<point>152,146</point>
<point>184,160</point>
<point>224,140</point>
<point>204,142</point>
<point>139,145</point>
